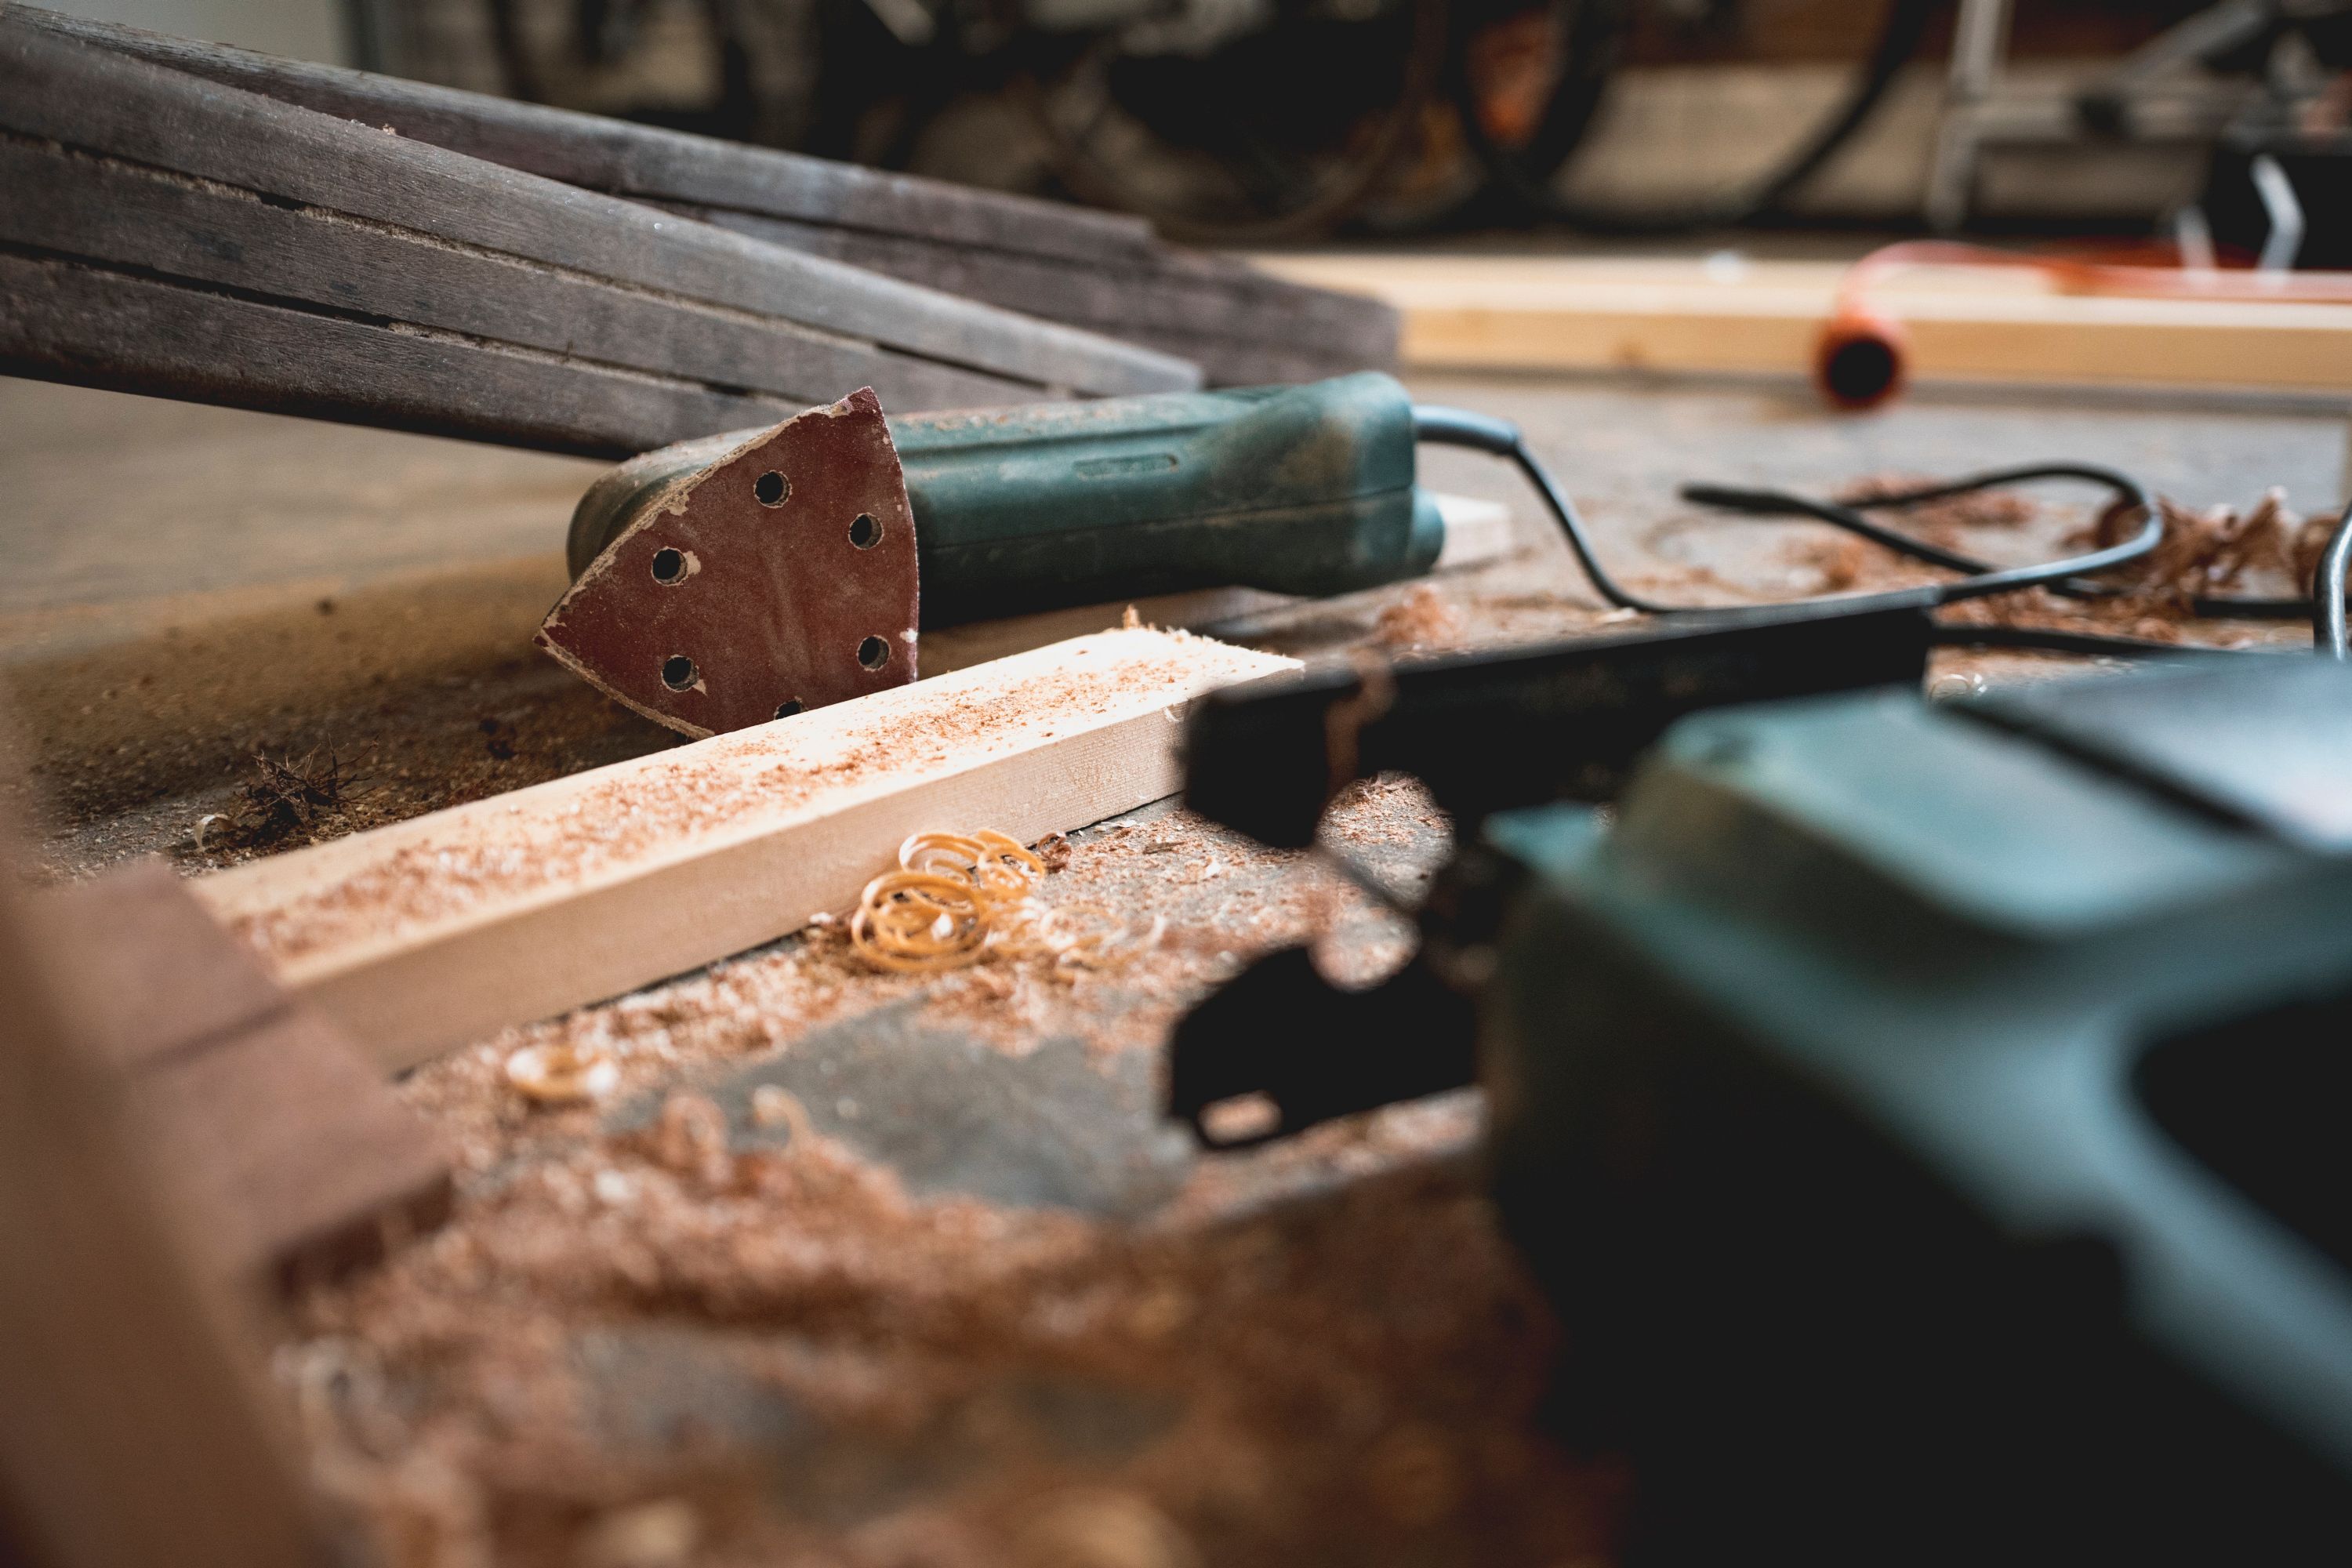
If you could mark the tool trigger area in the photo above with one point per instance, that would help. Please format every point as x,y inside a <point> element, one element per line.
<point>1280,1048</point>
<point>779,576</point>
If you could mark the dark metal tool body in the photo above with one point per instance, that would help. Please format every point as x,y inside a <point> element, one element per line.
<point>819,547</point>
<point>1927,1116</point>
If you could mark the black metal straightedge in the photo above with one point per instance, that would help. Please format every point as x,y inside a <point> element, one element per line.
<point>1489,731</point>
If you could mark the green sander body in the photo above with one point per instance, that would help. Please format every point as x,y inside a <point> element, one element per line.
<point>1295,489</point>
<point>771,571</point>
<point>1932,1118</point>
<point>1929,1120</point>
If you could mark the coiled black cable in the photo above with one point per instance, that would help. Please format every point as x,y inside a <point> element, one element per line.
<point>2070,575</point>
<point>1460,428</point>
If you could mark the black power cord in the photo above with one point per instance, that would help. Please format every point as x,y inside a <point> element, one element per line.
<point>1499,437</point>
<point>2069,575</point>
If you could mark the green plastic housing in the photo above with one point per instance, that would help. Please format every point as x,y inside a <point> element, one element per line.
<point>1303,489</point>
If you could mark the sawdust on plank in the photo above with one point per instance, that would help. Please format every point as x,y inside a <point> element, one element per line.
<point>1174,866</point>
<point>444,868</point>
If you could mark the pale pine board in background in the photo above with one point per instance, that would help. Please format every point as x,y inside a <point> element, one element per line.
<point>1750,317</point>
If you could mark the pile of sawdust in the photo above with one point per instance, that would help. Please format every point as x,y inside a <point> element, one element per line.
<point>1309,1390</point>
<point>2263,552</point>
<point>2266,551</point>
<point>1336,1351</point>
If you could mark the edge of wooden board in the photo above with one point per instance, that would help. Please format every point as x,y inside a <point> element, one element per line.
<point>1527,315</point>
<point>428,933</point>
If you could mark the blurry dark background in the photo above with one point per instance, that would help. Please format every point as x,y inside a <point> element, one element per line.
<point>1267,121</point>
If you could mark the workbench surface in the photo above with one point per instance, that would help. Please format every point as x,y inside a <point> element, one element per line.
<point>969,1301</point>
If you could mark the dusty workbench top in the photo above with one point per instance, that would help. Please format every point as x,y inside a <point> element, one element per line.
<point>966,1297</point>
<point>190,588</point>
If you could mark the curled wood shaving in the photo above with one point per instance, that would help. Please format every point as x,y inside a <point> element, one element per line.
<point>2212,550</point>
<point>956,898</point>
<point>555,1073</point>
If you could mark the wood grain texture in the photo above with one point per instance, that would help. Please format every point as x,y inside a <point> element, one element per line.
<point>129,217</point>
<point>1244,327</point>
<point>135,1427</point>
<point>298,1161</point>
<point>408,233</point>
<point>66,320</point>
<point>1964,324</point>
<point>432,932</point>
<point>602,154</point>
<point>1095,270</point>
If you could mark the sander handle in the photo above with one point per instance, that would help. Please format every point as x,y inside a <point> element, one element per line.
<point>1302,490</point>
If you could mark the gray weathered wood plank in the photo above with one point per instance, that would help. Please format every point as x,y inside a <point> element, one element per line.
<point>626,158</point>
<point>131,216</point>
<point>1094,270</point>
<point>67,320</point>
<point>1188,304</point>
<point>52,87</point>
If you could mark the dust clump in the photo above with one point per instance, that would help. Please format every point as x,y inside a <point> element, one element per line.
<point>1420,619</point>
<point>290,798</point>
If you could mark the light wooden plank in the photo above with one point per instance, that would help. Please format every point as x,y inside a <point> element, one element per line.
<point>429,933</point>
<point>1980,324</point>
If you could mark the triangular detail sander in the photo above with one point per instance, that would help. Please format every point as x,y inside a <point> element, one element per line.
<point>742,578</point>
<point>736,581</point>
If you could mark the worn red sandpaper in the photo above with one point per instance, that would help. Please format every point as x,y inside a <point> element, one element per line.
<point>779,578</point>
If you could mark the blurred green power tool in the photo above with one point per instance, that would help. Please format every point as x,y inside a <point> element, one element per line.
<point>744,577</point>
<point>1929,1119</point>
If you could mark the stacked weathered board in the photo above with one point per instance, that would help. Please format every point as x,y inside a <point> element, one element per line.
<point>166,234</point>
<point>1095,270</point>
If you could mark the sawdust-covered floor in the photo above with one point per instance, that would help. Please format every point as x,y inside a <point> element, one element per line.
<point>967,1299</point>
